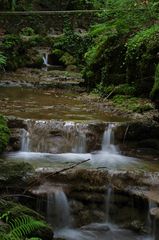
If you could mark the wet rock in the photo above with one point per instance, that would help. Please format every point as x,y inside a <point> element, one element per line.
<point>137,131</point>
<point>61,137</point>
<point>14,175</point>
<point>15,139</point>
<point>72,68</point>
<point>14,122</point>
<point>154,213</point>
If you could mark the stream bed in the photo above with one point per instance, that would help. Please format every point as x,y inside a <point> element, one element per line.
<point>61,131</point>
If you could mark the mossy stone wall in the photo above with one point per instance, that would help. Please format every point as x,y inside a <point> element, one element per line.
<point>46,22</point>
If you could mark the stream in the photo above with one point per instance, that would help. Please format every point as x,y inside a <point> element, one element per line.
<point>63,130</point>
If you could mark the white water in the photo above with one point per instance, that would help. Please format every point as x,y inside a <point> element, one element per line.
<point>56,137</point>
<point>108,157</point>
<point>100,231</point>
<point>25,141</point>
<point>45,59</point>
<point>108,140</point>
<point>151,224</point>
<point>58,212</point>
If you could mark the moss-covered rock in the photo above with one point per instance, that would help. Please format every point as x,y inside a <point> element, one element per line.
<point>14,174</point>
<point>141,59</point>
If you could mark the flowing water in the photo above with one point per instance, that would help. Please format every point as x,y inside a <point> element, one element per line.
<point>55,143</point>
<point>58,214</point>
<point>69,146</point>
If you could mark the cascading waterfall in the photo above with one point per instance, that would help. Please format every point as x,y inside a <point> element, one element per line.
<point>25,141</point>
<point>151,224</point>
<point>58,142</point>
<point>108,140</point>
<point>55,137</point>
<point>45,59</point>
<point>58,212</point>
<point>80,146</point>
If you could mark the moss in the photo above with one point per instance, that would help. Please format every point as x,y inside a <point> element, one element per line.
<point>4,134</point>
<point>14,174</point>
<point>155,90</point>
<point>68,59</point>
<point>111,90</point>
<point>132,103</point>
<point>141,58</point>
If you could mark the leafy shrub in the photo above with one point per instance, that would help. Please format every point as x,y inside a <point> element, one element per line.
<point>73,44</point>
<point>10,41</point>
<point>133,104</point>
<point>2,60</point>
<point>4,133</point>
<point>141,39</point>
<point>124,46</point>
<point>27,31</point>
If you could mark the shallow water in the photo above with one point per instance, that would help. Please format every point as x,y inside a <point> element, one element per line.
<point>48,104</point>
<point>100,231</point>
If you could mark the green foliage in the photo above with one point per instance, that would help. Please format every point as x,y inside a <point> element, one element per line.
<point>50,4</point>
<point>2,60</point>
<point>155,90</point>
<point>141,39</point>
<point>27,31</point>
<point>21,227</point>
<point>111,90</point>
<point>4,134</point>
<point>73,45</point>
<point>124,47</point>
<point>10,41</point>
<point>133,104</point>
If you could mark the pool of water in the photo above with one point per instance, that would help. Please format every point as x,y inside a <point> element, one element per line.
<point>49,104</point>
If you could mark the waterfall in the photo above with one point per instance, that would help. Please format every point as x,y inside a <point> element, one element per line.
<point>25,141</point>
<point>151,223</point>
<point>57,136</point>
<point>80,145</point>
<point>45,59</point>
<point>58,212</point>
<point>108,201</point>
<point>108,140</point>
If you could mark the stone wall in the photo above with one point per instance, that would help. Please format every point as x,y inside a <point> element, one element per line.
<point>46,22</point>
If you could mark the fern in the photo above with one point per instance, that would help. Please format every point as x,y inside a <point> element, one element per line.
<point>21,227</point>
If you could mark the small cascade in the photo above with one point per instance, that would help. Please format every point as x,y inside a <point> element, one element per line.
<point>58,212</point>
<point>57,136</point>
<point>80,146</point>
<point>110,156</point>
<point>108,140</point>
<point>151,224</point>
<point>108,201</point>
<point>25,141</point>
<point>45,59</point>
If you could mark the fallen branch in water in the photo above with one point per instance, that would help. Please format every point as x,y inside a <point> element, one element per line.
<point>68,168</point>
<point>50,174</point>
